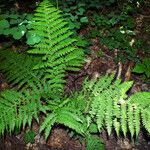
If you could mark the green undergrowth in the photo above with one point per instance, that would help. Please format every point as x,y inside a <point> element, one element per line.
<point>117,30</point>
<point>143,68</point>
<point>39,79</point>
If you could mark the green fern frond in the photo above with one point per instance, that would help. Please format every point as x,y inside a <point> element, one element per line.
<point>60,112</point>
<point>71,120</point>
<point>48,124</point>
<point>111,108</point>
<point>146,118</point>
<point>18,68</point>
<point>130,114</point>
<point>141,103</point>
<point>56,47</point>
<point>50,58</point>
<point>109,115</point>
<point>123,120</point>
<point>137,119</point>
<point>17,109</point>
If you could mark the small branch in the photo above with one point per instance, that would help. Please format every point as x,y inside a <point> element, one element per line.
<point>119,70</point>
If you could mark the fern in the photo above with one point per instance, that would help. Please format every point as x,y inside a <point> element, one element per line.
<point>40,75</point>
<point>102,104</point>
<point>18,68</point>
<point>19,108</point>
<point>107,105</point>
<point>111,108</point>
<point>63,112</point>
<point>56,47</point>
<point>140,103</point>
<point>50,58</point>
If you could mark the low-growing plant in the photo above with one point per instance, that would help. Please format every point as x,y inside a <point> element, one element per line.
<point>75,14</point>
<point>29,137</point>
<point>117,32</point>
<point>102,104</point>
<point>96,4</point>
<point>40,74</point>
<point>94,33</point>
<point>143,68</point>
<point>122,40</point>
<point>13,24</point>
<point>84,44</point>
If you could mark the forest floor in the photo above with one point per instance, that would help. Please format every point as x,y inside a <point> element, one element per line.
<point>60,138</point>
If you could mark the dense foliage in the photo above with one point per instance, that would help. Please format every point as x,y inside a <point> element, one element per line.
<point>38,76</point>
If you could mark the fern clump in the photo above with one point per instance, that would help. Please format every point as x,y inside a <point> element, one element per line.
<point>102,103</point>
<point>39,76</point>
